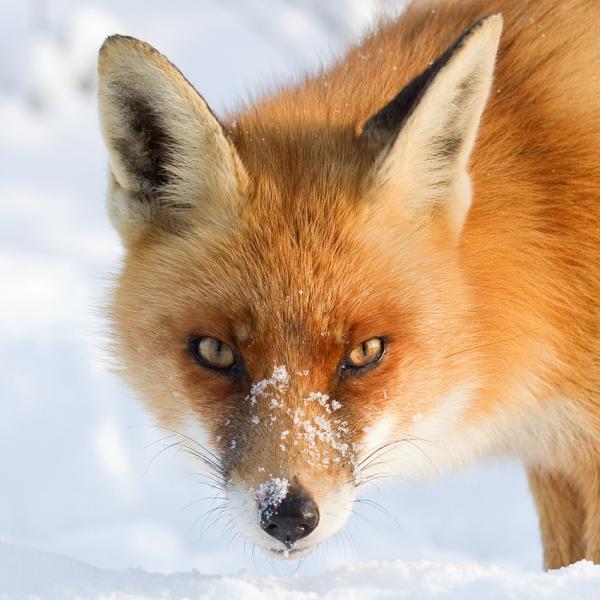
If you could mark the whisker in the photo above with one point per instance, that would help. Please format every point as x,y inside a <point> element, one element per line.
<point>189,504</point>
<point>218,510</point>
<point>214,483</point>
<point>209,525</point>
<point>159,440</point>
<point>234,535</point>
<point>161,451</point>
<point>355,513</point>
<point>209,463</point>
<point>369,502</point>
<point>487,344</point>
<point>375,456</point>
<point>187,437</point>
<point>299,564</point>
<point>378,449</point>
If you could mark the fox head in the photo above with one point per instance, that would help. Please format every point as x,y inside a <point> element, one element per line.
<point>292,301</point>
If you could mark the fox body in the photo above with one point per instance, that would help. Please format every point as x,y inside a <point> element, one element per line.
<point>392,267</point>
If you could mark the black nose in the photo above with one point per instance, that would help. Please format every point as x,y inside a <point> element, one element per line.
<point>294,518</point>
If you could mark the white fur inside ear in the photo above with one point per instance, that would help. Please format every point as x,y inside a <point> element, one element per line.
<point>126,216</point>
<point>428,159</point>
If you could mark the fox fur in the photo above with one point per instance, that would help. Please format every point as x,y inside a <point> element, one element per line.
<point>315,219</point>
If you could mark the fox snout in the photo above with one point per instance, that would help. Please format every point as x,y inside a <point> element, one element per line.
<point>291,466</point>
<point>291,517</point>
<point>287,517</point>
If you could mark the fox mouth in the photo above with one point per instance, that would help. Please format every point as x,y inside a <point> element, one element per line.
<point>291,552</point>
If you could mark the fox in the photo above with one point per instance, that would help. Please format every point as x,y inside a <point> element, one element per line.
<point>387,268</point>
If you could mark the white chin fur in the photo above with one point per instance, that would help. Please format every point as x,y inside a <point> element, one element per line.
<point>334,512</point>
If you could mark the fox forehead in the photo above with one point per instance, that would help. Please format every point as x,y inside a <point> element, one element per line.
<point>265,277</point>
<point>291,161</point>
<point>294,278</point>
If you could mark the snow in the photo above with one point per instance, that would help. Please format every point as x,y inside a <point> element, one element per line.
<point>330,432</point>
<point>28,573</point>
<point>309,428</point>
<point>84,472</point>
<point>270,495</point>
<point>271,387</point>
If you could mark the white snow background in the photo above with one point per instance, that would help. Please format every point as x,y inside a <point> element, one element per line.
<point>74,443</point>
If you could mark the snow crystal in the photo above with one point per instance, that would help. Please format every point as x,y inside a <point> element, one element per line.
<point>268,388</point>
<point>310,430</point>
<point>321,429</point>
<point>280,374</point>
<point>321,435</point>
<point>322,399</point>
<point>270,495</point>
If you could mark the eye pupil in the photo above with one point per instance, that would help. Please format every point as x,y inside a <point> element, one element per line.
<point>212,353</point>
<point>366,354</point>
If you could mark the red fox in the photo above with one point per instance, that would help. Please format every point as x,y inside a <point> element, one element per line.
<point>390,268</point>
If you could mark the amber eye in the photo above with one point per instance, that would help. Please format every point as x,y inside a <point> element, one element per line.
<point>212,353</point>
<point>367,354</point>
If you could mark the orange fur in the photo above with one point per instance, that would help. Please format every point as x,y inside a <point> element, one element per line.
<point>312,261</point>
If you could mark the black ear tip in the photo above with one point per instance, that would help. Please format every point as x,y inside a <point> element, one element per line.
<point>496,17</point>
<point>387,122</point>
<point>493,21</point>
<point>490,23</point>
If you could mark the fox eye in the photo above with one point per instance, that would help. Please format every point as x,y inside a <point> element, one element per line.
<point>366,354</point>
<point>212,353</point>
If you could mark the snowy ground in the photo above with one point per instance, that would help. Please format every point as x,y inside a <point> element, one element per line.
<point>26,572</point>
<point>75,444</point>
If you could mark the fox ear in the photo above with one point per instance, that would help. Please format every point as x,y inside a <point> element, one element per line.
<point>425,135</point>
<point>170,160</point>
